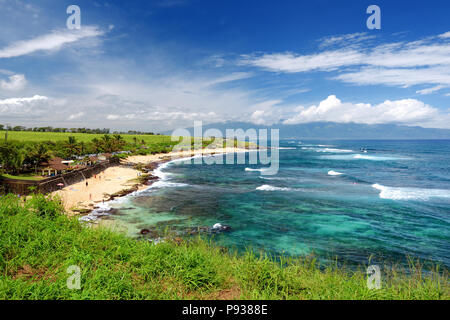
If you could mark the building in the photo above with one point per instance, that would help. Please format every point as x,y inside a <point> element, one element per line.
<point>53,167</point>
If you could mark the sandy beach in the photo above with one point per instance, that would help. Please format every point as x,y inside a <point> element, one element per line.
<point>86,194</point>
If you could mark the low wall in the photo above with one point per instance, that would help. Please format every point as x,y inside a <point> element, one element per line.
<point>51,184</point>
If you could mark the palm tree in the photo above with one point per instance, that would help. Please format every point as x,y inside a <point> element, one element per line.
<point>16,161</point>
<point>107,145</point>
<point>39,154</point>
<point>71,145</point>
<point>119,141</point>
<point>97,145</point>
<point>82,147</point>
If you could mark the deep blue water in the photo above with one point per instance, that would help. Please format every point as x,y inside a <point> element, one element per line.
<point>390,202</point>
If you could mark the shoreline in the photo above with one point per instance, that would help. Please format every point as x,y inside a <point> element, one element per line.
<point>116,182</point>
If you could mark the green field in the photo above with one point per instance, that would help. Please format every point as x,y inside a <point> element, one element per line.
<point>39,244</point>
<point>22,177</point>
<point>31,136</point>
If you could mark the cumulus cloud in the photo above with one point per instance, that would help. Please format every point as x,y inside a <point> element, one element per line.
<point>15,82</point>
<point>48,42</point>
<point>21,106</point>
<point>405,111</point>
<point>266,112</point>
<point>404,64</point>
<point>21,101</point>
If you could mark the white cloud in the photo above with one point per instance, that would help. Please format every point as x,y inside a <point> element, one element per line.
<point>398,76</point>
<point>163,116</point>
<point>231,77</point>
<point>262,117</point>
<point>48,42</point>
<point>345,39</point>
<point>20,101</point>
<point>291,63</point>
<point>266,113</point>
<point>15,82</point>
<point>112,117</point>
<point>430,90</point>
<point>22,106</point>
<point>76,115</point>
<point>406,111</point>
<point>396,64</point>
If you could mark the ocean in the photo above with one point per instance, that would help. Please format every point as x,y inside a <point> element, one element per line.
<point>354,201</point>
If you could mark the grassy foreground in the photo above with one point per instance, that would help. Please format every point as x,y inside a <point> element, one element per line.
<point>38,243</point>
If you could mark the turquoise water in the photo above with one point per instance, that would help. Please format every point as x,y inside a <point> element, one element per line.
<point>328,198</point>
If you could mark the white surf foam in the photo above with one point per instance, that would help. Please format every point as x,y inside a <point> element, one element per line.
<point>335,150</point>
<point>375,158</point>
<point>101,210</point>
<point>399,193</point>
<point>362,157</point>
<point>266,187</point>
<point>334,173</point>
<point>330,150</point>
<point>167,184</point>
<point>260,169</point>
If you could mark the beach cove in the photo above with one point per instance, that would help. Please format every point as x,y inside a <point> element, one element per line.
<point>84,196</point>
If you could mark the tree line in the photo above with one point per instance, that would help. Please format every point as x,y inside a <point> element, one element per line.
<point>19,157</point>
<point>71,130</point>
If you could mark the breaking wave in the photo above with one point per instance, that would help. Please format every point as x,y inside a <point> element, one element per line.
<point>266,187</point>
<point>399,193</point>
<point>334,173</point>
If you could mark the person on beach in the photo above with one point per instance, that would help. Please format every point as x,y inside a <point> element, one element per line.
<point>87,184</point>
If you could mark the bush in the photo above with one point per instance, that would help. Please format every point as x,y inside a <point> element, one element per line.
<point>45,207</point>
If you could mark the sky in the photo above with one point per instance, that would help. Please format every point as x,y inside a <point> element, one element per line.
<point>163,64</point>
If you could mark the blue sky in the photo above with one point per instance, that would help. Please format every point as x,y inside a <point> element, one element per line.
<point>158,65</point>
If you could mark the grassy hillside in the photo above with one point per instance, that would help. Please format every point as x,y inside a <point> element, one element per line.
<point>38,244</point>
<point>30,136</point>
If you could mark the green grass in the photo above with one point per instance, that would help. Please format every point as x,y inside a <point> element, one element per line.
<point>38,243</point>
<point>22,177</point>
<point>31,136</point>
